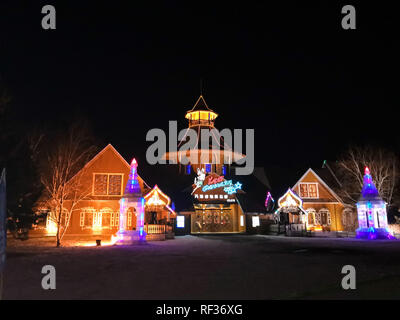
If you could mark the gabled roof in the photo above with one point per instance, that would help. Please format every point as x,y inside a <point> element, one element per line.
<point>322,183</point>
<point>109,147</point>
<point>200,105</point>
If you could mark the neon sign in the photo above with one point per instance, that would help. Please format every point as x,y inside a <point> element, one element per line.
<point>228,186</point>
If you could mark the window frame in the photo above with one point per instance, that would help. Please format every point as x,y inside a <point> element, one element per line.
<point>108,184</point>
<point>307,184</point>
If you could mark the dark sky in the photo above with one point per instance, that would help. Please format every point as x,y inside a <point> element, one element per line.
<point>288,70</point>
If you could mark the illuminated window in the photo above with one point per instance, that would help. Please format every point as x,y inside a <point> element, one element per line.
<point>241,221</point>
<point>82,219</point>
<point>106,217</point>
<point>180,221</point>
<point>100,184</point>
<point>107,184</point>
<point>114,184</point>
<point>308,190</point>
<point>311,216</point>
<point>255,221</point>
<point>112,219</point>
<point>97,220</point>
<point>88,214</point>
<point>116,219</point>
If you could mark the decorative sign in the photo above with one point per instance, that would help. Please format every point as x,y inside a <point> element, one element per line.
<point>214,187</point>
<point>228,186</point>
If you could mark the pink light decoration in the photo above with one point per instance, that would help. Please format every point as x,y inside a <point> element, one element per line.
<point>366,171</point>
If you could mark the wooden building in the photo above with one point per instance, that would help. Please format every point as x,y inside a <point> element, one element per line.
<point>320,209</point>
<point>103,179</point>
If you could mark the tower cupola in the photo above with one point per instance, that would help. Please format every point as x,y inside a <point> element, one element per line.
<point>201,114</point>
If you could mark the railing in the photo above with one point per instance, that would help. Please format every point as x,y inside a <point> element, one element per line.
<point>157,228</point>
<point>154,228</point>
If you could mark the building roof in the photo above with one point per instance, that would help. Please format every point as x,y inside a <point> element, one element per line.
<point>200,105</point>
<point>329,182</point>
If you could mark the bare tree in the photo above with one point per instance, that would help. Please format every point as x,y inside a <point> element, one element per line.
<point>383,165</point>
<point>60,177</point>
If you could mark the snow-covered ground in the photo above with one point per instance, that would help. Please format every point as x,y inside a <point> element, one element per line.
<point>208,267</point>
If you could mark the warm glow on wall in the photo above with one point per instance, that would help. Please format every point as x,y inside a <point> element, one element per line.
<point>51,226</point>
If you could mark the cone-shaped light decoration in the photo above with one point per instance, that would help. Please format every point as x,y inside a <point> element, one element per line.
<point>369,190</point>
<point>133,187</point>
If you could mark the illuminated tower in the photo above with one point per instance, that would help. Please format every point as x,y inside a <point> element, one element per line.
<point>212,153</point>
<point>132,199</point>
<point>372,217</point>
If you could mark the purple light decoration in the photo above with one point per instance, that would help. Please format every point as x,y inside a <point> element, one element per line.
<point>268,200</point>
<point>133,185</point>
<point>371,208</point>
<point>369,190</point>
<point>140,220</point>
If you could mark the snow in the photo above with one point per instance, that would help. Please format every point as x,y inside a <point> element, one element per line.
<point>207,267</point>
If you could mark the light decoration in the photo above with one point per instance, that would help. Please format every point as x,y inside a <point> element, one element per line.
<point>290,201</point>
<point>153,198</point>
<point>157,198</point>
<point>228,186</point>
<point>132,198</point>
<point>371,209</point>
<point>140,220</point>
<point>269,201</point>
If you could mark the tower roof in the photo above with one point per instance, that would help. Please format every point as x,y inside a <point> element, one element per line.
<point>132,189</point>
<point>369,191</point>
<point>200,104</point>
<point>201,111</point>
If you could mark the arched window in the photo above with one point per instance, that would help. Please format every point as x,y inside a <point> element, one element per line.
<point>87,217</point>
<point>347,217</point>
<point>311,216</point>
<point>325,217</point>
<point>106,214</point>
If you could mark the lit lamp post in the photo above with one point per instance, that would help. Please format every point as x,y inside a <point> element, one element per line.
<point>132,198</point>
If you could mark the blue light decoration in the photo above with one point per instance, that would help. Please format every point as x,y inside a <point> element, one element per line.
<point>223,170</point>
<point>371,209</point>
<point>188,169</point>
<point>228,186</point>
<point>208,167</point>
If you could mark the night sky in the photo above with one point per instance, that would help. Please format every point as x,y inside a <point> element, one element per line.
<point>288,70</point>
